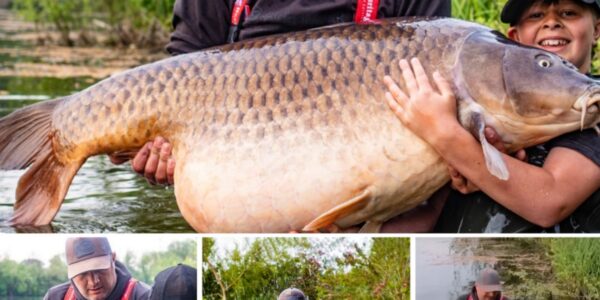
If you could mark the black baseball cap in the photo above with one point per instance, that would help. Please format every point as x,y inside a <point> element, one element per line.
<point>175,283</point>
<point>513,9</point>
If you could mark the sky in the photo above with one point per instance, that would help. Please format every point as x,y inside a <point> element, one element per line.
<point>19,247</point>
<point>225,244</point>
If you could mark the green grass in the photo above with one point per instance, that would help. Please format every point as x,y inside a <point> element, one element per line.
<point>480,11</point>
<point>576,263</point>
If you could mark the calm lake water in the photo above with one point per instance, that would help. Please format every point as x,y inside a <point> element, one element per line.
<point>103,197</point>
<point>447,268</point>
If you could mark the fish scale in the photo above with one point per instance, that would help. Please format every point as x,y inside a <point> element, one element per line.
<point>281,133</point>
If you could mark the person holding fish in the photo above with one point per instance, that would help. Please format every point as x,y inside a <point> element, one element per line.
<point>548,193</point>
<point>203,24</point>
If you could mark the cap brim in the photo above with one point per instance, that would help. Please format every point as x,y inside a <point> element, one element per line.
<point>513,10</point>
<point>491,288</point>
<point>94,263</point>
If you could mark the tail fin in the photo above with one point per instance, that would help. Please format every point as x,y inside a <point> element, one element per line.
<point>26,139</point>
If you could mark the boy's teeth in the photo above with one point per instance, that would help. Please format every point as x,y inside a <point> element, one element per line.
<point>553,42</point>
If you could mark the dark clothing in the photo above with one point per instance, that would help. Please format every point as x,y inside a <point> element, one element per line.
<point>477,212</point>
<point>175,283</point>
<point>201,24</point>
<point>141,290</point>
<point>473,296</point>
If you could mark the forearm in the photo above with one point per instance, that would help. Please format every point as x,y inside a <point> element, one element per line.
<point>543,196</point>
<point>534,193</point>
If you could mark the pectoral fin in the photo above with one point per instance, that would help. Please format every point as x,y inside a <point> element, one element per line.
<point>344,209</point>
<point>493,158</point>
<point>371,227</point>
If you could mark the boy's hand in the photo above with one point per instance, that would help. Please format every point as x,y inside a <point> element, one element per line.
<point>428,112</point>
<point>462,184</point>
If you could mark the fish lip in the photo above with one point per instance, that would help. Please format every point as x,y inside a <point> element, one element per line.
<point>588,104</point>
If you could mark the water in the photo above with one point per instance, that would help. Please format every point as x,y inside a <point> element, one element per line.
<point>103,197</point>
<point>447,268</point>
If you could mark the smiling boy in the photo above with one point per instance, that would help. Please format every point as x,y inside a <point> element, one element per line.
<point>568,172</point>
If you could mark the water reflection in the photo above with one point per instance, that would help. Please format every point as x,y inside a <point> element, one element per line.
<point>103,198</point>
<point>447,268</point>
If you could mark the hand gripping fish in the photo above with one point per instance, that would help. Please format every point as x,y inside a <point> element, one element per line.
<point>292,132</point>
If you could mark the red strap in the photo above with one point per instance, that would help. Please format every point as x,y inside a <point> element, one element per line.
<point>238,8</point>
<point>366,11</point>
<point>130,286</point>
<point>70,295</point>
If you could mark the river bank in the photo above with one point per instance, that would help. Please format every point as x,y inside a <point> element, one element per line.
<point>24,54</point>
<point>102,197</point>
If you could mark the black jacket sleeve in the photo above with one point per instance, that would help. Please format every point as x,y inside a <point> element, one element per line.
<point>430,8</point>
<point>201,24</point>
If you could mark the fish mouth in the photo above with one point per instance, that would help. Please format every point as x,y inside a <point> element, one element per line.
<point>589,104</point>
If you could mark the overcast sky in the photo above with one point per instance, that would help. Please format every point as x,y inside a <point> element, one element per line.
<point>19,247</point>
<point>225,244</point>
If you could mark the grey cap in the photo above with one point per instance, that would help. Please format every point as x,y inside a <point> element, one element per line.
<point>513,9</point>
<point>291,294</point>
<point>87,254</point>
<point>489,281</point>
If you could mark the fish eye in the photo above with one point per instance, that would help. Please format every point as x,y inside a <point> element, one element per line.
<point>544,61</point>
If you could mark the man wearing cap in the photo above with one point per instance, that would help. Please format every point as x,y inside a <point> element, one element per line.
<point>487,287</point>
<point>94,274</point>
<point>291,294</point>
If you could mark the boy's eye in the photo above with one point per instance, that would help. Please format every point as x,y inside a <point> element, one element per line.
<point>535,15</point>
<point>569,13</point>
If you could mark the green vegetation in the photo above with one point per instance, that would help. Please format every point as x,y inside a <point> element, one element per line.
<point>484,12</point>
<point>332,268</point>
<point>576,263</point>
<point>151,263</point>
<point>570,265</point>
<point>30,278</point>
<point>144,23</point>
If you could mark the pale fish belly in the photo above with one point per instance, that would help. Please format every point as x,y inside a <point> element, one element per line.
<point>280,184</point>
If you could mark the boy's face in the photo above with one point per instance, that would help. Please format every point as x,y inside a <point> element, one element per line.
<point>565,28</point>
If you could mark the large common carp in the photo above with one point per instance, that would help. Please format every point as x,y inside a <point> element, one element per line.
<point>292,131</point>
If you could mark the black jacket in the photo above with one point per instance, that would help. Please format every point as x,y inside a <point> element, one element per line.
<point>201,24</point>
<point>141,290</point>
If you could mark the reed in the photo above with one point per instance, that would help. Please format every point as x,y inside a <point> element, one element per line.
<point>576,263</point>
